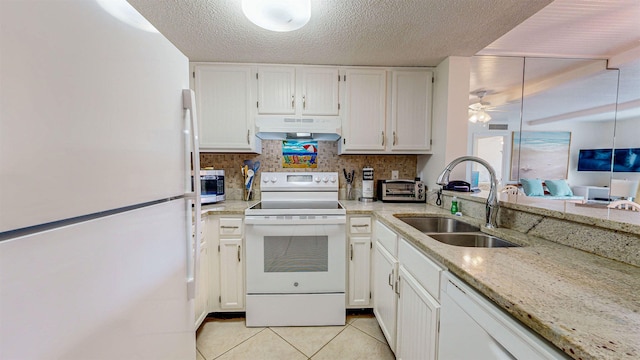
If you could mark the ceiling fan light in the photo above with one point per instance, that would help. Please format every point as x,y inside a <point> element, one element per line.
<point>473,117</point>
<point>483,117</point>
<point>278,15</point>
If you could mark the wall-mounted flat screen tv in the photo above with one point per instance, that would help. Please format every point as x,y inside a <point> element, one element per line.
<point>624,160</point>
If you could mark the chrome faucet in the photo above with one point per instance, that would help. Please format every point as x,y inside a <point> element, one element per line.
<point>492,200</point>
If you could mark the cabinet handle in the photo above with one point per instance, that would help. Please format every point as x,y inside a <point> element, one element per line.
<point>351,252</point>
<point>383,138</point>
<point>228,227</point>
<point>398,286</point>
<point>391,281</point>
<point>239,246</point>
<point>293,101</point>
<point>248,140</point>
<point>304,102</point>
<point>395,138</point>
<point>360,225</point>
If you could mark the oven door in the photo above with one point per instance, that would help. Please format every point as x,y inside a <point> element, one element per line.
<point>295,254</point>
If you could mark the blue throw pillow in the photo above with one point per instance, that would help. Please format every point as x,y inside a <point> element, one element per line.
<point>558,187</point>
<point>532,187</point>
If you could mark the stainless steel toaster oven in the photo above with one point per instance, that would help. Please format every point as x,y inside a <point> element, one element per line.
<point>401,191</point>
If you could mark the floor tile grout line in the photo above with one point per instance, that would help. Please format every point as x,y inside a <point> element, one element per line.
<point>333,338</point>
<point>347,324</point>
<point>366,333</point>
<point>290,344</point>
<point>201,354</point>
<point>240,343</point>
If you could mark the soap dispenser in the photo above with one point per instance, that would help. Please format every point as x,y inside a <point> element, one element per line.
<point>454,205</point>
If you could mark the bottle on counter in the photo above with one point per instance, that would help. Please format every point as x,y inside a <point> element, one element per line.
<point>454,205</point>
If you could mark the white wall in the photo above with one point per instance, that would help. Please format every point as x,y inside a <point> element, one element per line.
<point>449,124</point>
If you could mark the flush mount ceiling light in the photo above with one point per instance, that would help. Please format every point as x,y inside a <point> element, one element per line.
<point>278,15</point>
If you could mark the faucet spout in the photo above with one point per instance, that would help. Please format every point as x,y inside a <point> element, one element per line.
<point>492,205</point>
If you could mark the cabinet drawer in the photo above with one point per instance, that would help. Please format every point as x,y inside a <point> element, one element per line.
<point>360,225</point>
<point>387,238</point>
<point>426,271</point>
<point>231,226</point>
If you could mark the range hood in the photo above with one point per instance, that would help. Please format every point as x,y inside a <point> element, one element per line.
<point>282,128</point>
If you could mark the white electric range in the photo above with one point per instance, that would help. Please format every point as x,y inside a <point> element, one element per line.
<point>296,251</point>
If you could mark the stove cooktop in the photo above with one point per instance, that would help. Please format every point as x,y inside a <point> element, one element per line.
<point>296,208</point>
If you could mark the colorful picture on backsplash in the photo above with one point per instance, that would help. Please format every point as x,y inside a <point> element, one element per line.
<point>299,154</point>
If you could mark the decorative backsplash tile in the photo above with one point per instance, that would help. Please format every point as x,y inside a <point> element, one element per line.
<point>328,160</point>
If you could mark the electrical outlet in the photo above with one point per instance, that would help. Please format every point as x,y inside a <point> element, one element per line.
<point>394,174</point>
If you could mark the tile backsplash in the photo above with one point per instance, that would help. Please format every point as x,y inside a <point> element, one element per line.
<point>327,160</point>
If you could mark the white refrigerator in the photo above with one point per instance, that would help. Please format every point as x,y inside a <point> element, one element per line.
<point>97,253</point>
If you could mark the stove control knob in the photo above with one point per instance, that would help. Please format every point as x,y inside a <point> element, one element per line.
<point>273,179</point>
<point>265,179</point>
<point>332,179</point>
<point>316,179</point>
<point>325,179</point>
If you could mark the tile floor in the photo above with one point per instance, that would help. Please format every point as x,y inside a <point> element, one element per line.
<point>360,338</point>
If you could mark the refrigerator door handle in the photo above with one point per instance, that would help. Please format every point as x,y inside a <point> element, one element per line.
<point>192,161</point>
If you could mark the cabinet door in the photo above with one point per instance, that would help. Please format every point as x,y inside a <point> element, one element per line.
<point>417,320</point>
<point>225,95</point>
<point>363,121</point>
<point>202,287</point>
<point>359,268</point>
<point>411,111</point>
<point>319,91</point>
<point>276,90</point>
<point>231,274</point>
<point>385,270</point>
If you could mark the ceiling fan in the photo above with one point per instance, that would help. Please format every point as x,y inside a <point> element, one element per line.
<point>478,110</point>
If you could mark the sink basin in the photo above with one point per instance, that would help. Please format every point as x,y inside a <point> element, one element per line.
<point>435,224</point>
<point>472,240</point>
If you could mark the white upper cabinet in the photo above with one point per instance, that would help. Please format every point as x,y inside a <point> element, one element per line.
<point>298,91</point>
<point>363,120</point>
<point>411,111</point>
<point>319,91</point>
<point>276,90</point>
<point>387,112</point>
<point>225,96</point>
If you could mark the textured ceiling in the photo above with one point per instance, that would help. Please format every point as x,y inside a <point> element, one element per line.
<point>340,32</point>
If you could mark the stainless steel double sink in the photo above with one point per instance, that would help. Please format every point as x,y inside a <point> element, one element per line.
<point>454,232</point>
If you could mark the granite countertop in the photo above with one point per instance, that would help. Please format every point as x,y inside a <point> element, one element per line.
<point>228,207</point>
<point>587,305</point>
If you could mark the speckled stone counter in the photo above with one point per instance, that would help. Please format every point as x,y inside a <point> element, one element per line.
<point>587,305</point>
<point>228,207</point>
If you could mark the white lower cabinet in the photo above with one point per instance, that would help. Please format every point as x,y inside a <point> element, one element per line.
<point>231,274</point>
<point>417,320</point>
<point>202,277</point>
<point>385,301</point>
<point>359,269</point>
<point>359,262</point>
<point>406,285</point>
<point>227,276</point>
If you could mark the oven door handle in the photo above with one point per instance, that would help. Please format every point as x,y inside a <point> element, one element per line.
<point>295,220</point>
